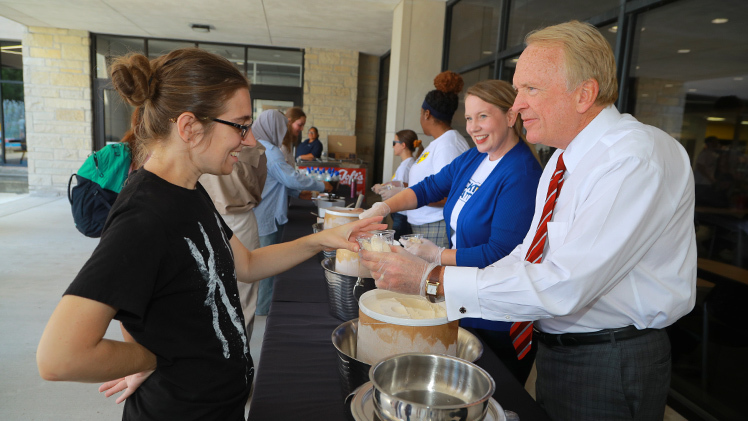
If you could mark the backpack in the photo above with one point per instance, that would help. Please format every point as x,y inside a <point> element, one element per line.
<point>99,181</point>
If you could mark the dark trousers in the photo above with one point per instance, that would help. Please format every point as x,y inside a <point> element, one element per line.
<point>623,380</point>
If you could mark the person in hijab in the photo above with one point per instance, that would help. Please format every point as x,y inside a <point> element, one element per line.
<point>282,181</point>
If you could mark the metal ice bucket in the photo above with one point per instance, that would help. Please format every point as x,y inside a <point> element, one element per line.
<point>354,373</point>
<point>343,291</point>
<point>430,387</point>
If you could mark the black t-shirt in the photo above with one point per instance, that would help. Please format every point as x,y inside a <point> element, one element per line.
<point>164,261</point>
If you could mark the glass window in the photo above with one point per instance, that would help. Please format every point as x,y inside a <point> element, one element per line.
<point>274,67</point>
<point>108,48</point>
<point>689,77</point>
<point>475,26</point>
<point>157,48</point>
<point>234,54</point>
<point>11,59</point>
<point>117,115</point>
<point>529,15</point>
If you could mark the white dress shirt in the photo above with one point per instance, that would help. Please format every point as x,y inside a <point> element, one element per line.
<point>621,248</point>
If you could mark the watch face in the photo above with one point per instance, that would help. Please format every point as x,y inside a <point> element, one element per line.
<point>431,289</point>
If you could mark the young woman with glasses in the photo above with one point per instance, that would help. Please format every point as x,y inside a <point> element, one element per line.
<point>167,264</point>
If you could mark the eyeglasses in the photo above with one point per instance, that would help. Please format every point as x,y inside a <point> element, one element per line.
<point>395,142</point>
<point>243,128</point>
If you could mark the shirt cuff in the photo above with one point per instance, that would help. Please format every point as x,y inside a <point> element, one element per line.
<point>461,292</point>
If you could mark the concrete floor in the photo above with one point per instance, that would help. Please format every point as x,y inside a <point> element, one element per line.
<point>40,254</point>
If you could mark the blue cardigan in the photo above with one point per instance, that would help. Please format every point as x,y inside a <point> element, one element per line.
<point>498,215</point>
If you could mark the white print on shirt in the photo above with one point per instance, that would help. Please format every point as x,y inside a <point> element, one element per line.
<point>469,191</point>
<point>210,274</point>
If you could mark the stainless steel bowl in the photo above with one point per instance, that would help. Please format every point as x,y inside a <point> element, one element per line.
<point>430,387</point>
<point>354,372</point>
<point>343,291</point>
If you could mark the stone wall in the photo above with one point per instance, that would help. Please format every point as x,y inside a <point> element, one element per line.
<point>57,90</point>
<point>330,91</point>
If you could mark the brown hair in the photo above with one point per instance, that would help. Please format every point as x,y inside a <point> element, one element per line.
<point>187,79</point>
<point>500,94</point>
<point>410,140</point>
<point>444,98</point>
<point>292,114</point>
<point>587,55</point>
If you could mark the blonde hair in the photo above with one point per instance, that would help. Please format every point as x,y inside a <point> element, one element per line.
<point>587,56</point>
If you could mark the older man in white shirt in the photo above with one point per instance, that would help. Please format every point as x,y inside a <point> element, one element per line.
<point>614,259</point>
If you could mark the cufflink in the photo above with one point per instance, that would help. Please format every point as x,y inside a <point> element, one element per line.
<point>463,310</point>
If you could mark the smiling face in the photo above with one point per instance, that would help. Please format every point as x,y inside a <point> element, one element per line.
<point>547,108</point>
<point>298,126</point>
<point>490,128</point>
<point>312,135</point>
<point>224,142</point>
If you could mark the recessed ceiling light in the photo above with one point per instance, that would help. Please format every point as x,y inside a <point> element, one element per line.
<point>645,95</point>
<point>514,60</point>
<point>487,53</point>
<point>199,27</point>
<point>638,67</point>
<point>684,51</point>
<point>715,119</point>
<point>719,21</point>
<point>613,29</point>
<point>692,90</point>
<point>668,85</point>
<point>737,78</point>
<point>744,122</point>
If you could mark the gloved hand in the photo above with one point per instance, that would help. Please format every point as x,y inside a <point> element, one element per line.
<point>378,209</point>
<point>377,188</point>
<point>389,190</point>
<point>398,271</point>
<point>424,249</point>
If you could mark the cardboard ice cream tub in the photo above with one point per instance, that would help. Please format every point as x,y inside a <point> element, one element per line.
<point>391,323</point>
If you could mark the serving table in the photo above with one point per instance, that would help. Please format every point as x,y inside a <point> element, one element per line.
<point>297,376</point>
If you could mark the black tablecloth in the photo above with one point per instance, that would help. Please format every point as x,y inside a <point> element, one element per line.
<point>297,377</point>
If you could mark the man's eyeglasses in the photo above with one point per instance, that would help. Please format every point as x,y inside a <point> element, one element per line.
<point>243,128</point>
<point>395,142</point>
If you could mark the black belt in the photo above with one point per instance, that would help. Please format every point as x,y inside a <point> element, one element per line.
<point>599,337</point>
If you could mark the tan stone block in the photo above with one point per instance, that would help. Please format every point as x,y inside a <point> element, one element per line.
<point>69,39</point>
<point>341,92</point>
<point>39,78</point>
<point>72,93</point>
<point>39,40</point>
<point>72,52</point>
<point>70,115</point>
<point>44,52</point>
<point>43,92</point>
<point>65,79</point>
<point>329,58</point>
<point>342,69</point>
<point>352,62</point>
<point>320,90</point>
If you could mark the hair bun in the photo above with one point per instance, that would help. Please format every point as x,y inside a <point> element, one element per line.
<point>132,78</point>
<point>417,143</point>
<point>449,82</point>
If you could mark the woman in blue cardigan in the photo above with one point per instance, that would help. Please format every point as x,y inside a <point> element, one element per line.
<point>490,192</point>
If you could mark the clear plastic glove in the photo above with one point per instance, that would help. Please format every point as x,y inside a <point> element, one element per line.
<point>344,236</point>
<point>377,188</point>
<point>424,249</point>
<point>389,190</point>
<point>378,209</point>
<point>129,384</point>
<point>398,271</point>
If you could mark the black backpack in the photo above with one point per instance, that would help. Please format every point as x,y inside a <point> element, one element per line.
<point>99,181</point>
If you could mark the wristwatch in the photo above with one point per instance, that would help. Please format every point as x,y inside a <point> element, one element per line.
<point>432,286</point>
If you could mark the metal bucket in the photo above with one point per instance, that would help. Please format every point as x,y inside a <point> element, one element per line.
<point>353,373</point>
<point>343,291</point>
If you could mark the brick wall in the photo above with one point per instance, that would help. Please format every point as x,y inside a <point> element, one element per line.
<point>330,91</point>
<point>57,91</point>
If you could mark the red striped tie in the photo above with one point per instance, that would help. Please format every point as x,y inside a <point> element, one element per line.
<point>521,332</point>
